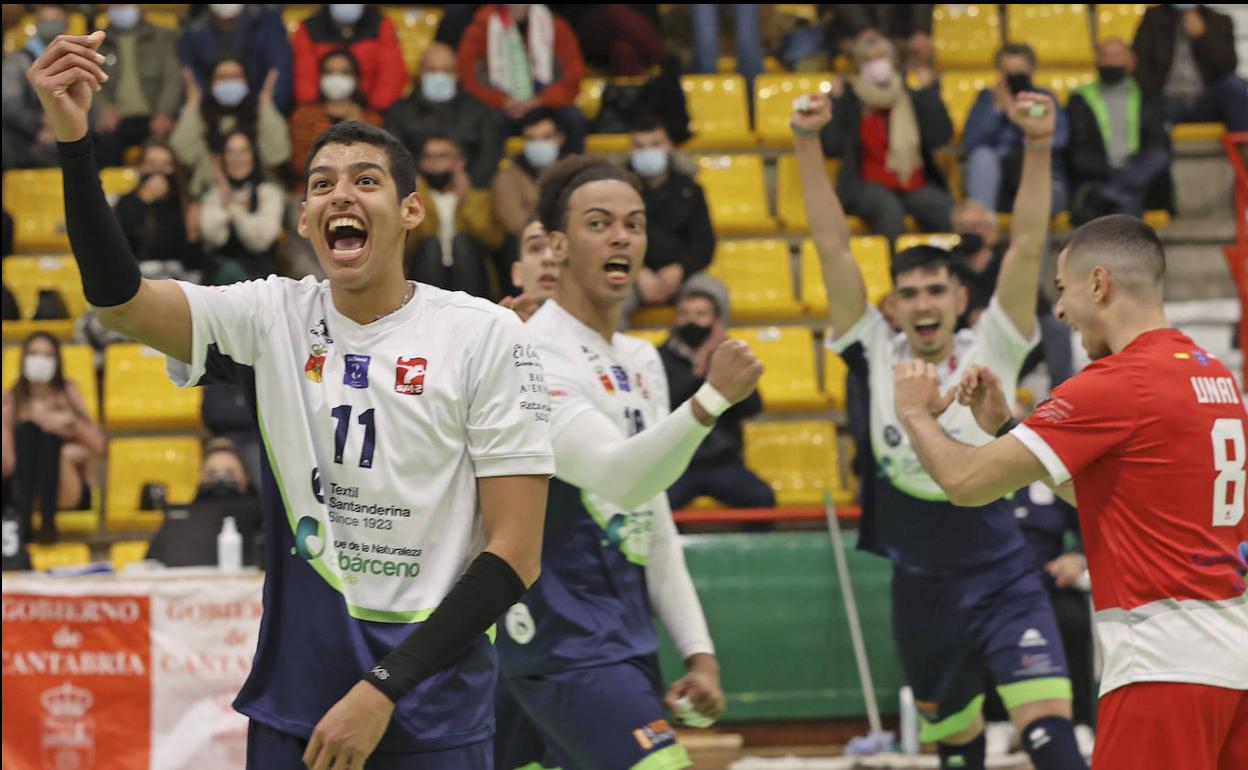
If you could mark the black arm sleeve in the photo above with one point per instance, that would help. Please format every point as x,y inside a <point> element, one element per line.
<point>110,273</point>
<point>486,590</point>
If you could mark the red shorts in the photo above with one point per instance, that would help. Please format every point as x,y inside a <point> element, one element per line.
<point>1168,725</point>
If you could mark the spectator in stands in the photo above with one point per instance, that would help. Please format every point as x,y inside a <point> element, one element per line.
<point>159,220</point>
<point>617,37</point>
<point>451,246</point>
<point>704,18</point>
<point>372,40</point>
<point>456,18</point>
<point>886,134</point>
<point>252,33</point>
<point>536,269</point>
<point>514,188</point>
<point>28,139</point>
<point>340,99</point>
<point>141,96</point>
<point>908,25</point>
<point>994,145</point>
<point>717,469</point>
<point>516,57</point>
<point>1119,147</point>
<point>49,439</point>
<point>437,103</point>
<point>241,216</point>
<point>680,241</point>
<point>231,102</point>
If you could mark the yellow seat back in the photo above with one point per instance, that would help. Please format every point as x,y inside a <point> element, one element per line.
<point>134,462</point>
<point>871,253</point>
<point>56,555</point>
<point>1057,32</point>
<point>35,199</point>
<point>119,180</point>
<point>718,115</point>
<point>790,206</point>
<point>1062,82</point>
<point>773,103</point>
<point>965,35</point>
<point>959,90</point>
<point>138,394</point>
<point>835,371</point>
<point>798,459</point>
<point>1119,20</point>
<point>759,278</point>
<point>415,28</point>
<point>788,383</point>
<point>736,194</point>
<point>940,240</point>
<point>126,552</point>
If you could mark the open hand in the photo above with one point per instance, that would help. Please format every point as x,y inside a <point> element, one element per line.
<point>916,389</point>
<point>65,77</point>
<point>349,732</point>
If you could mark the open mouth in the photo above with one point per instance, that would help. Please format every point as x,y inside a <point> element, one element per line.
<point>927,330</point>
<point>346,236</point>
<point>548,281</point>
<point>617,270</point>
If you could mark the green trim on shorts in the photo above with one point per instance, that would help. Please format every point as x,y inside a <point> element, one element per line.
<point>930,732</point>
<point>673,757</point>
<point>1032,690</point>
<point>536,766</point>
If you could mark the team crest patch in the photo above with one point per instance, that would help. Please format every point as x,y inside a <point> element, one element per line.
<point>355,370</point>
<point>654,735</point>
<point>409,376</point>
<point>892,436</point>
<point>314,368</point>
<point>605,380</point>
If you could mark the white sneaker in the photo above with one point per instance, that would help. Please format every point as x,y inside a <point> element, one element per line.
<point>1086,739</point>
<point>999,736</point>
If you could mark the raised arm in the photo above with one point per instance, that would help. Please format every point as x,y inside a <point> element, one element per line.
<point>65,77</point>
<point>1018,284</point>
<point>847,294</point>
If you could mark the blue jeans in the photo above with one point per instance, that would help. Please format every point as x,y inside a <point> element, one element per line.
<point>984,172</point>
<point>705,20</point>
<point>1226,101</point>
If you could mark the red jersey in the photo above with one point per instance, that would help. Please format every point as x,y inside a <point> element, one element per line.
<point>1154,438</point>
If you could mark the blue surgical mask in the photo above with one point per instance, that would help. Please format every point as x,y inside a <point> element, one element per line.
<point>541,152</point>
<point>651,161</point>
<point>229,93</point>
<point>438,87</point>
<point>346,13</point>
<point>124,17</point>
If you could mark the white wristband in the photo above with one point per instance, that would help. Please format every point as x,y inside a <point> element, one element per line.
<point>711,400</point>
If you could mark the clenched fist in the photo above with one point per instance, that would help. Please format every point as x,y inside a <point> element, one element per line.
<point>734,370</point>
<point>65,77</point>
<point>812,112</point>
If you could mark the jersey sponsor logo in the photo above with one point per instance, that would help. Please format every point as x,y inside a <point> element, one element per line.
<point>321,332</point>
<point>1038,738</point>
<point>1215,390</point>
<point>314,368</point>
<point>1054,410</point>
<point>310,539</point>
<point>409,376</point>
<point>362,565</point>
<point>621,379</point>
<point>641,386</point>
<point>519,623</point>
<point>380,673</point>
<point>654,735</point>
<point>1032,638</point>
<point>892,436</point>
<point>355,370</point>
<point>605,380</point>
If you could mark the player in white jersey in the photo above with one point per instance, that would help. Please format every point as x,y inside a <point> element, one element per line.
<point>407,451</point>
<point>579,653</point>
<point>536,271</point>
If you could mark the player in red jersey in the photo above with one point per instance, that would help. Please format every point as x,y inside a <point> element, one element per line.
<point>1152,435</point>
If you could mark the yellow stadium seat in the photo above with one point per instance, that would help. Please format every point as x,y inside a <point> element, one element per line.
<point>167,19</point>
<point>26,277</point>
<point>959,90</point>
<point>790,206</point>
<point>788,355</point>
<point>965,35</point>
<point>134,462</point>
<point>79,368</point>
<point>1197,132</point>
<point>15,38</point>
<point>589,98</point>
<point>34,197</point>
<point>941,240</point>
<point>415,28</point>
<point>54,555</point>
<point>1119,20</point>
<point>736,194</point>
<point>655,337</point>
<point>799,460</point>
<point>726,65</point>
<point>807,12</point>
<point>1057,32</point>
<point>294,14</point>
<point>607,144</point>
<point>835,371</point>
<point>139,396</point>
<point>126,552</point>
<point>1157,218</point>
<point>718,115</point>
<point>759,277</point>
<point>656,315</point>
<point>871,253</point>
<point>119,180</point>
<point>1062,82</point>
<point>773,103</point>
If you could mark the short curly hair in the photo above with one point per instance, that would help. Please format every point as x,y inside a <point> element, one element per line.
<point>557,183</point>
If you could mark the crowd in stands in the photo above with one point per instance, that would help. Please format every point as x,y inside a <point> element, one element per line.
<point>217,117</point>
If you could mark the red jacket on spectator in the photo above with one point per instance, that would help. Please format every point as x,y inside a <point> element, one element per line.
<point>569,64</point>
<point>374,44</point>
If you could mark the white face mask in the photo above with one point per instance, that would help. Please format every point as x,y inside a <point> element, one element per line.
<point>438,87</point>
<point>649,162</point>
<point>337,85</point>
<point>878,71</point>
<point>39,368</point>
<point>226,10</point>
<point>541,152</point>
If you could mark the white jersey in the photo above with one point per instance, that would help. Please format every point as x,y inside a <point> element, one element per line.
<point>376,434</point>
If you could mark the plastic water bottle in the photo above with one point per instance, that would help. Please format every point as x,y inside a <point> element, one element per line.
<point>909,723</point>
<point>229,547</point>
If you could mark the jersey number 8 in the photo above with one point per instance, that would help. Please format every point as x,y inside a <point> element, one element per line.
<point>1228,461</point>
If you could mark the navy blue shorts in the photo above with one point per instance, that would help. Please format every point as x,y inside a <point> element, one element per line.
<point>950,630</point>
<point>602,718</point>
<point>518,744</point>
<point>270,749</point>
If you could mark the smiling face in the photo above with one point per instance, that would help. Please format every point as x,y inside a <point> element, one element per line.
<point>928,303</point>
<point>353,217</point>
<point>604,240</point>
<point>537,269</point>
<point>1077,306</point>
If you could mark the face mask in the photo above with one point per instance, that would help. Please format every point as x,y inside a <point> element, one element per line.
<point>1112,76</point>
<point>878,71</point>
<point>438,87</point>
<point>226,10</point>
<point>438,180</point>
<point>337,85</point>
<point>124,17</point>
<point>39,368</point>
<point>541,152</point>
<point>692,334</point>
<point>970,243</point>
<point>48,29</point>
<point>1018,82</point>
<point>229,93</point>
<point>219,489</point>
<point>651,161</point>
<point>346,13</point>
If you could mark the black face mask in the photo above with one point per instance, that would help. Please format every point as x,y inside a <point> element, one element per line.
<point>970,244</point>
<point>1018,82</point>
<point>1112,76</point>
<point>692,334</point>
<point>438,180</point>
<point>218,489</point>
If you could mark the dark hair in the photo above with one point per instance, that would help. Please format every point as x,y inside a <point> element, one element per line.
<point>257,171</point>
<point>21,389</point>
<point>557,183</point>
<point>402,164</point>
<point>928,259</point>
<point>441,136</point>
<point>706,295</point>
<point>539,115</point>
<point>1015,49</point>
<point>1128,246</point>
<point>645,123</point>
<point>218,445</point>
<point>247,113</point>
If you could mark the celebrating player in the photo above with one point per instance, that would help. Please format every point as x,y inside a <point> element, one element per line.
<point>579,654</point>
<point>962,597</point>
<point>391,413</point>
<point>1152,435</point>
